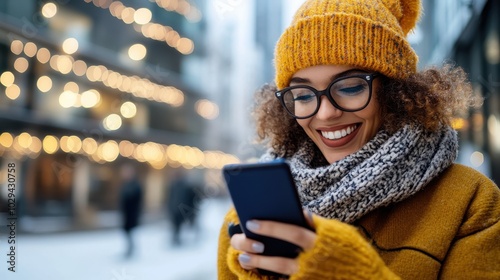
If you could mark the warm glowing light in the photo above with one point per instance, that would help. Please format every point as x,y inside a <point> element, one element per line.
<point>185,46</point>
<point>43,55</point>
<point>64,144</point>
<point>137,52</point>
<point>90,98</point>
<point>109,151</point>
<point>112,122</point>
<point>458,123</point>
<point>44,83</point>
<point>493,125</point>
<point>68,99</point>
<point>49,10</point>
<point>13,92</point>
<point>126,148</point>
<point>128,110</point>
<point>207,109</point>
<point>36,145</point>
<point>24,140</point>
<point>30,49</point>
<point>80,68</point>
<point>194,15</point>
<point>74,144</point>
<point>476,159</point>
<point>6,139</point>
<point>70,45</point>
<point>142,16</point>
<point>127,15</point>
<point>50,144</point>
<point>64,64</point>
<point>21,64</point>
<point>89,146</point>
<point>16,47</point>
<point>72,86</point>
<point>7,78</point>
<point>492,48</point>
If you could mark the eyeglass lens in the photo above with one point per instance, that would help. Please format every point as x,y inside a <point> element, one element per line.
<point>350,94</point>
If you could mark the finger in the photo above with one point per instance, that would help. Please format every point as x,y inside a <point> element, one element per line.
<point>242,243</point>
<point>276,264</point>
<point>309,217</point>
<point>297,235</point>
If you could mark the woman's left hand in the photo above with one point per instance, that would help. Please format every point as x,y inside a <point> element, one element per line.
<point>297,235</point>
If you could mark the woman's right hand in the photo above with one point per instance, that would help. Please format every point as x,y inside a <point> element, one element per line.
<point>251,259</point>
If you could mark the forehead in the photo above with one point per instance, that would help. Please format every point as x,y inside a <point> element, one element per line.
<point>321,73</point>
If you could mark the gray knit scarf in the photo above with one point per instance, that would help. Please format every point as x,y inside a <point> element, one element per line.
<point>388,169</point>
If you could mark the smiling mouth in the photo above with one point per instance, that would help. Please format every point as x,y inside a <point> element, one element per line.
<point>339,134</point>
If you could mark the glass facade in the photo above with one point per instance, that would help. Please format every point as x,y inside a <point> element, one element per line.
<point>467,33</point>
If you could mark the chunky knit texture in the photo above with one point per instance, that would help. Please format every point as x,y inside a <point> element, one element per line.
<point>369,34</point>
<point>388,169</point>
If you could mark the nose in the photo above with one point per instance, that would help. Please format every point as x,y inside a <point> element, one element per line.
<point>327,110</point>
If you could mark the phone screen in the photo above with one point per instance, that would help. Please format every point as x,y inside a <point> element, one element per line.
<point>266,191</point>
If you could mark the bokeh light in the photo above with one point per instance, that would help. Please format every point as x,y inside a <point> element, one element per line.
<point>128,110</point>
<point>44,83</point>
<point>49,10</point>
<point>70,45</point>
<point>112,122</point>
<point>137,52</point>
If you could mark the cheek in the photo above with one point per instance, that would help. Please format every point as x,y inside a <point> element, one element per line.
<point>305,126</point>
<point>373,119</point>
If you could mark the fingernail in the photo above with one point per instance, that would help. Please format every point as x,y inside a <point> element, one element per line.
<point>253,225</point>
<point>244,258</point>
<point>258,247</point>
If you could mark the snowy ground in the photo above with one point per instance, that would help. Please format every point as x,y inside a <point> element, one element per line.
<point>99,254</point>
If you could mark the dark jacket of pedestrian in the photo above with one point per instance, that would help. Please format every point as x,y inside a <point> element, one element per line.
<point>131,203</point>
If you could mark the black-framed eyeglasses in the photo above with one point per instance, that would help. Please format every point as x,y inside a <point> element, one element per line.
<point>349,94</point>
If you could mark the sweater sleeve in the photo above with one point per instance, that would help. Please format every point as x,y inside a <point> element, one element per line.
<point>340,252</point>
<point>475,252</point>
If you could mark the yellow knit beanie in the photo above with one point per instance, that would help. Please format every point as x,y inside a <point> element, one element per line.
<point>370,34</point>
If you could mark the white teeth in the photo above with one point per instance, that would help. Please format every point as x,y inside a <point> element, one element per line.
<point>332,135</point>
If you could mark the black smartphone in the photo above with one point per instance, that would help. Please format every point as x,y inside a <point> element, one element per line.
<point>266,191</point>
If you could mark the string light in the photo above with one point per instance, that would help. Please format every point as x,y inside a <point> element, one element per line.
<point>182,7</point>
<point>142,17</point>
<point>155,154</point>
<point>138,87</point>
<point>49,10</point>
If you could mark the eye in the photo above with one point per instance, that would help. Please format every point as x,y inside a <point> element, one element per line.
<point>302,95</point>
<point>350,87</point>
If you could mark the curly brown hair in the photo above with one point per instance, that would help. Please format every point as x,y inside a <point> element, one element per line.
<point>430,99</point>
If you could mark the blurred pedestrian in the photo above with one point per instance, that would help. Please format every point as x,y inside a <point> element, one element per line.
<point>130,204</point>
<point>182,204</point>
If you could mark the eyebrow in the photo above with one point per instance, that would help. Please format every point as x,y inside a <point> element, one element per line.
<point>299,80</point>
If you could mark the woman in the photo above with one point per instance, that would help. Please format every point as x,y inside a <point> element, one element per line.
<point>369,142</point>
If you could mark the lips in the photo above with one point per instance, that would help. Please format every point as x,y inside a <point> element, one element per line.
<point>339,137</point>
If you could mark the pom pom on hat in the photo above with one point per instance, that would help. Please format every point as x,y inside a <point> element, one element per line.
<point>369,34</point>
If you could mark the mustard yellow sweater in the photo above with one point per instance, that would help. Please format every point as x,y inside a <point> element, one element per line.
<point>449,230</point>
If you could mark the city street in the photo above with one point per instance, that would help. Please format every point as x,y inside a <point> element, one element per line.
<point>99,254</point>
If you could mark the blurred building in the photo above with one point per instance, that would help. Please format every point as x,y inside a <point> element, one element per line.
<point>240,37</point>
<point>89,85</point>
<point>468,34</point>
